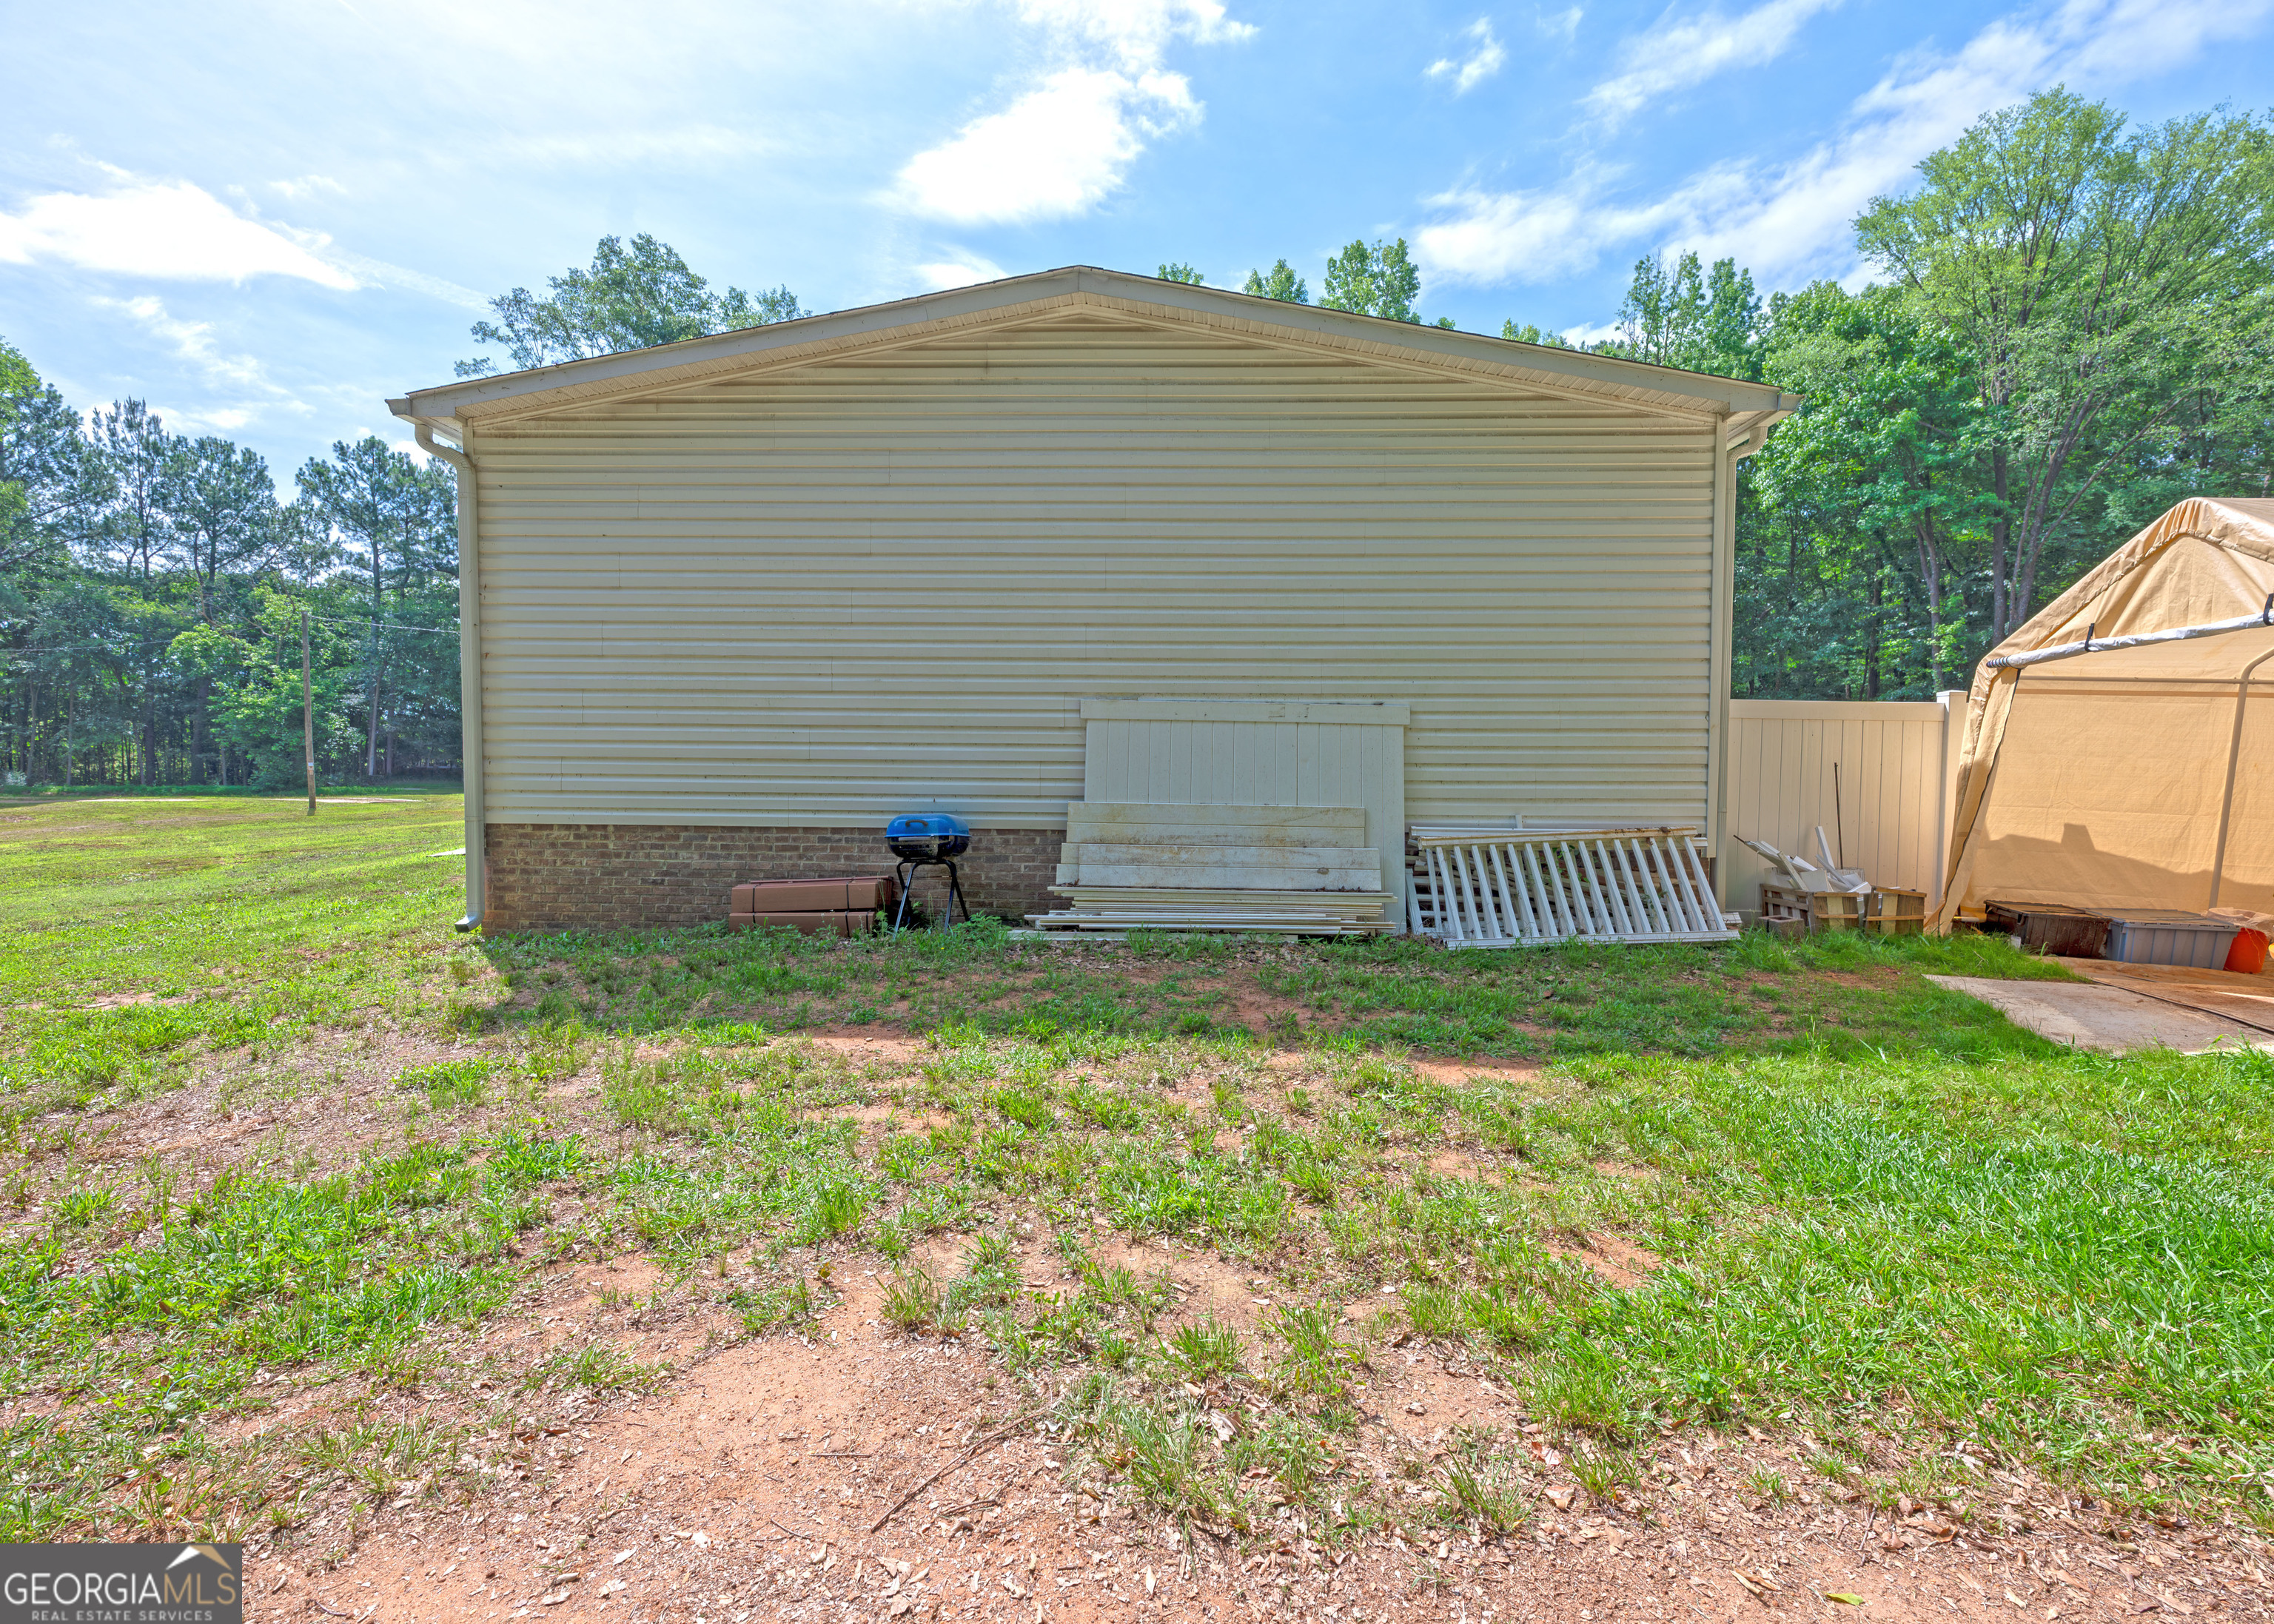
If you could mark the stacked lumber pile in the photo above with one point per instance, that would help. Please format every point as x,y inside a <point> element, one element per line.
<point>840,908</point>
<point>1293,870</point>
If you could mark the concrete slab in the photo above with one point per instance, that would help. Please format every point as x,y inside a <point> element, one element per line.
<point>2247,1000</point>
<point>2114,1019</point>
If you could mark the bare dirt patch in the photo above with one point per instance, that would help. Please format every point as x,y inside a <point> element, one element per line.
<point>869,1048</point>
<point>1610,1258</point>
<point>1261,1011</point>
<point>879,1122</point>
<point>1209,1287</point>
<point>1459,1164</point>
<point>320,1106</point>
<point>1458,1073</point>
<point>850,1472</point>
<point>1623,1169</point>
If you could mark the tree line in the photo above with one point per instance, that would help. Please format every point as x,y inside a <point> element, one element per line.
<point>2068,326</point>
<point>159,594</point>
<point>153,588</point>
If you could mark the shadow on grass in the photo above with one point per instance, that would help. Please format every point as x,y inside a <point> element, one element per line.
<point>1839,995</point>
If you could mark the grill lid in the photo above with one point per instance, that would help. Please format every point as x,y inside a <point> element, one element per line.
<point>918,825</point>
<point>922,835</point>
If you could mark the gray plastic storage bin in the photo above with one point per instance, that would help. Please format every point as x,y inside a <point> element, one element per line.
<point>2166,936</point>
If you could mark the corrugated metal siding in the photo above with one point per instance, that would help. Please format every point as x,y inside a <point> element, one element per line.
<point>885,582</point>
<point>1895,761</point>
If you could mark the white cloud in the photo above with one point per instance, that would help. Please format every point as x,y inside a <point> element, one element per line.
<point>1137,33</point>
<point>1478,66</point>
<point>306,187</point>
<point>378,273</point>
<point>1675,53</point>
<point>959,272</point>
<point>191,342</point>
<point>214,420</point>
<point>1786,220</point>
<point>1066,141</point>
<point>1563,25</point>
<point>155,228</point>
<point>1059,149</point>
<point>1490,236</point>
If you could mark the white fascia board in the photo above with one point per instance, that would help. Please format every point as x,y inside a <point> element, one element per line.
<point>1576,369</point>
<point>1745,431</point>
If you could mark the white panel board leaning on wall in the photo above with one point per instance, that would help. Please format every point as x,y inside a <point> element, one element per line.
<point>1256,753</point>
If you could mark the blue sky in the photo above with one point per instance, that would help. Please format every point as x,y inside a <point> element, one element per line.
<point>265,218</point>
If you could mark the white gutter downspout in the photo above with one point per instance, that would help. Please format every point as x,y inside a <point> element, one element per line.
<point>469,668</point>
<point>1727,455</point>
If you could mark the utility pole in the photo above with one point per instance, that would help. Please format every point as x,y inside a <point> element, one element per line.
<point>308,710</point>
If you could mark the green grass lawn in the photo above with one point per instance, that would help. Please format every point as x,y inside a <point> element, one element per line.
<point>271,1128</point>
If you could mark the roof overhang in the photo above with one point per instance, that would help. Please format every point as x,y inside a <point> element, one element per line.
<point>1747,409</point>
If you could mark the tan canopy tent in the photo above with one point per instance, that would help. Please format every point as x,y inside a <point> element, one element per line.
<point>2135,776</point>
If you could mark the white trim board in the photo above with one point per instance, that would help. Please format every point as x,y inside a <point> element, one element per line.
<point>1379,713</point>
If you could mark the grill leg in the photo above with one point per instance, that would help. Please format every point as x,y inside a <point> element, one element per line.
<point>907,869</point>
<point>907,873</point>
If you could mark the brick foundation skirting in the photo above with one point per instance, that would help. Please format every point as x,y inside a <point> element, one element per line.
<point>613,876</point>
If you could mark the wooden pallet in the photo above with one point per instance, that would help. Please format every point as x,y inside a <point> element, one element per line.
<point>1885,910</point>
<point>1121,907</point>
<point>1286,870</point>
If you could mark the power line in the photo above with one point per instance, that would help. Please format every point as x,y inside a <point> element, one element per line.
<point>401,625</point>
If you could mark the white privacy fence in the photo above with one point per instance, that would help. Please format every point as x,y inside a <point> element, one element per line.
<point>1877,776</point>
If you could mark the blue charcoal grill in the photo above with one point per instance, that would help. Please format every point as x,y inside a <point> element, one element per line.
<point>929,841</point>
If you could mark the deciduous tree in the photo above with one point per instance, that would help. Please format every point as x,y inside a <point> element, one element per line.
<point>1377,278</point>
<point>1279,282</point>
<point>2108,286</point>
<point>628,298</point>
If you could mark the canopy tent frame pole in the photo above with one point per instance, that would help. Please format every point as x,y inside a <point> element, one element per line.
<point>2137,640</point>
<point>2234,758</point>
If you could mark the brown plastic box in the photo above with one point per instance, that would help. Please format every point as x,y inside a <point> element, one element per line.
<point>860,893</point>
<point>839,922</point>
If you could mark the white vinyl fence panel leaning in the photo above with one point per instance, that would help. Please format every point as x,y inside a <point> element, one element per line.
<point>1485,887</point>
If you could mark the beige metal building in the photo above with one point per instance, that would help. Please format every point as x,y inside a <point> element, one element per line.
<point>731,604</point>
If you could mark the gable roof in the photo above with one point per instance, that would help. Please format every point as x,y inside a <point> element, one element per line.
<point>1750,407</point>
